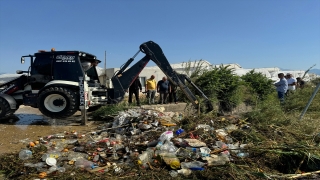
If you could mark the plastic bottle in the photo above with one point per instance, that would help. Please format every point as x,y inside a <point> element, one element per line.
<point>25,154</point>
<point>171,160</point>
<point>36,165</point>
<point>146,156</point>
<point>184,153</point>
<point>61,169</point>
<point>168,146</point>
<point>194,152</point>
<point>185,172</point>
<point>76,155</point>
<point>83,163</point>
<point>205,127</point>
<point>217,160</point>
<point>158,146</point>
<point>192,164</point>
<point>173,173</point>
<point>205,152</point>
<point>52,169</point>
<point>166,136</point>
<point>193,149</point>
<point>96,158</point>
<point>56,168</point>
<point>243,154</point>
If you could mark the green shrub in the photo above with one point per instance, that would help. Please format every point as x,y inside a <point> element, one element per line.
<point>258,84</point>
<point>221,84</point>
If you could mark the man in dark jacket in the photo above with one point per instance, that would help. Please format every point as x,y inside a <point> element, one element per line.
<point>134,89</point>
<point>163,88</point>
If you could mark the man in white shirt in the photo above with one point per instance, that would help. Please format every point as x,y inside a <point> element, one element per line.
<point>292,82</point>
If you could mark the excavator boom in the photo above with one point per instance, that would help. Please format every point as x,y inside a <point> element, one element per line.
<point>124,78</point>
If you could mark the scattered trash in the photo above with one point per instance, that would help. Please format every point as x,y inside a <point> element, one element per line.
<point>25,154</point>
<point>173,173</point>
<point>51,161</point>
<point>193,165</point>
<point>195,143</point>
<point>205,127</point>
<point>140,138</point>
<point>185,172</point>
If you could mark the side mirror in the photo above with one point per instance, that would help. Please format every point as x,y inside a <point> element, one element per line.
<point>19,72</point>
<point>22,60</point>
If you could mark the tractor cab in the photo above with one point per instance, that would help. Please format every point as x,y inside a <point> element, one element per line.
<point>52,65</point>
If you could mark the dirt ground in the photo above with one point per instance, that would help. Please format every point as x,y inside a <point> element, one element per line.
<point>29,124</point>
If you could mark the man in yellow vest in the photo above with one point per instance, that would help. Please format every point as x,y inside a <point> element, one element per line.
<point>151,87</point>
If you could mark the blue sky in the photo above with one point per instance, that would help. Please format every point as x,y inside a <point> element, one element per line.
<point>252,33</point>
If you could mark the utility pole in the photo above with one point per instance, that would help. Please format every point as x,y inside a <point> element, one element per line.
<point>105,69</point>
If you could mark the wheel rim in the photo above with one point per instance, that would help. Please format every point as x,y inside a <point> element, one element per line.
<point>55,102</point>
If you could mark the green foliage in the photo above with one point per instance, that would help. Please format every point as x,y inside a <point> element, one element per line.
<point>107,110</point>
<point>221,84</point>
<point>299,99</point>
<point>268,112</point>
<point>258,84</point>
<point>315,81</point>
<point>193,69</point>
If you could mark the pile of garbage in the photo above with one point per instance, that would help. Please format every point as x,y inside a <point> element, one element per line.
<point>136,138</point>
<point>140,142</point>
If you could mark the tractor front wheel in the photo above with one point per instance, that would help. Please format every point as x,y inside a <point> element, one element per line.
<point>5,110</point>
<point>58,102</point>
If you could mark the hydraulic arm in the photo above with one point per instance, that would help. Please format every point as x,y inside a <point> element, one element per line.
<point>124,77</point>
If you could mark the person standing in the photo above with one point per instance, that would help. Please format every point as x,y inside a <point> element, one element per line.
<point>163,88</point>
<point>282,87</point>
<point>173,93</point>
<point>134,89</point>
<point>151,86</point>
<point>300,82</point>
<point>292,82</point>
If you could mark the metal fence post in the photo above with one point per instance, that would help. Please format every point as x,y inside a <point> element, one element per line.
<point>310,100</point>
<point>83,92</point>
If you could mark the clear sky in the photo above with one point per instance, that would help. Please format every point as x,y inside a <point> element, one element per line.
<point>252,33</point>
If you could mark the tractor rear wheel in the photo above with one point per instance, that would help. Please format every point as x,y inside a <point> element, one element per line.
<point>5,110</point>
<point>58,102</point>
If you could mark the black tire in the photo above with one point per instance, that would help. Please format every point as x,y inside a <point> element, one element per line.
<point>58,102</point>
<point>5,110</point>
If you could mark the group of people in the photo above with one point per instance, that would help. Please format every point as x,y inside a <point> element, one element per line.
<point>167,91</point>
<point>287,85</point>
